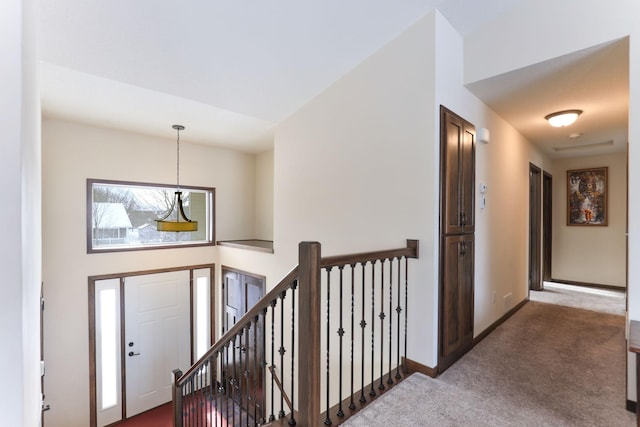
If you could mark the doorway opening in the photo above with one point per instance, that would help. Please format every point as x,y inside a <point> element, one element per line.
<point>241,290</point>
<point>547,225</point>
<point>535,228</point>
<point>142,325</point>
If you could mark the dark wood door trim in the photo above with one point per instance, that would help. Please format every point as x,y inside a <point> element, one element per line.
<point>547,224</point>
<point>245,280</point>
<point>535,227</point>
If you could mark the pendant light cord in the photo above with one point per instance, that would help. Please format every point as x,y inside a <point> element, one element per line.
<point>178,159</point>
<point>178,162</point>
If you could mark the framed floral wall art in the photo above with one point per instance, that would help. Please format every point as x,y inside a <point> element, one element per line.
<point>587,197</point>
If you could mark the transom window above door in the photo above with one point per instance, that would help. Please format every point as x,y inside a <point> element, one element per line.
<point>121,216</point>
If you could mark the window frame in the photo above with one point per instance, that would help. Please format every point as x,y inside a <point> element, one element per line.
<point>210,239</point>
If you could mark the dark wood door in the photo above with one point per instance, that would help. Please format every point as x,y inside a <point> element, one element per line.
<point>458,174</point>
<point>535,228</point>
<point>243,373</point>
<point>456,310</point>
<point>547,214</point>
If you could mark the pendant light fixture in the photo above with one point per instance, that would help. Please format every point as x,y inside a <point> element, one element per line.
<point>177,221</point>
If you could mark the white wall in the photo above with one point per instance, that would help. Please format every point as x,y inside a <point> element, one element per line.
<point>535,31</point>
<point>354,168</point>
<point>591,254</point>
<point>502,227</point>
<point>20,245</point>
<point>74,152</point>
<point>264,196</point>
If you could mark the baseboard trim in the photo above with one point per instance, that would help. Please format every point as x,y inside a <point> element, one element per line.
<point>482,335</point>
<point>587,285</point>
<point>414,366</point>
<point>631,406</point>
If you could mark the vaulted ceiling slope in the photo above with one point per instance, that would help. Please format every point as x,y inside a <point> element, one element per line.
<point>228,70</point>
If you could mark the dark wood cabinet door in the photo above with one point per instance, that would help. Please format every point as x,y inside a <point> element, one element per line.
<point>467,179</point>
<point>457,174</point>
<point>456,299</point>
<point>457,186</point>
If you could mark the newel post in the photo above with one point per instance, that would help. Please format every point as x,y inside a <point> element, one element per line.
<point>177,398</point>
<point>309,334</point>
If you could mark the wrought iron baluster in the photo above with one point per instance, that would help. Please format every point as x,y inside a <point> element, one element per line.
<point>406,309</point>
<point>389,380</point>
<point>214,377</point>
<point>202,393</point>
<point>263,364</point>
<point>363,325</point>
<point>187,401</point>
<point>213,387</point>
<point>194,397</point>
<point>242,379</point>
<point>186,398</point>
<point>202,407</point>
<point>258,373</point>
<point>233,383</point>
<point>206,391</point>
<point>352,405</point>
<point>191,395</point>
<point>251,389</point>
<point>282,349</point>
<point>382,317</point>
<point>197,397</point>
<point>327,420</point>
<point>399,311</point>
<point>340,334</point>
<point>183,393</point>
<point>372,391</point>
<point>273,322</point>
<point>245,383</point>
<point>294,285</point>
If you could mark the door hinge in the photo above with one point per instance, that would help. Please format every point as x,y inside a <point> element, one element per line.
<point>43,406</point>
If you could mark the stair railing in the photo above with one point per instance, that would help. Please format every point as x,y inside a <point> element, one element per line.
<point>285,331</point>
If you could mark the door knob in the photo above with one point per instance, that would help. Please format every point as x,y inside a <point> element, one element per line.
<point>131,353</point>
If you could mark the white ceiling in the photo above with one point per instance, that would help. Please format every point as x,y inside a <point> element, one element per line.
<point>595,80</point>
<point>230,71</point>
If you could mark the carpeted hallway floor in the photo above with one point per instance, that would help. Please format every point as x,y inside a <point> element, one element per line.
<point>603,300</point>
<point>548,365</point>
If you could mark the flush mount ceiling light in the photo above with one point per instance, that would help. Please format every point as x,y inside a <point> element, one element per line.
<point>178,221</point>
<point>563,118</point>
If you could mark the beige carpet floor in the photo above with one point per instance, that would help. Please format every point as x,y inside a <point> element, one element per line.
<point>548,365</point>
<point>603,300</point>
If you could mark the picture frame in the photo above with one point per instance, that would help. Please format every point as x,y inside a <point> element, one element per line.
<point>587,193</point>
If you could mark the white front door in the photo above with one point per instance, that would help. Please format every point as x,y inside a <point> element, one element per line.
<point>157,337</point>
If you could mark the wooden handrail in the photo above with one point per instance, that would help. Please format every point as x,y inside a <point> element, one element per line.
<point>411,251</point>
<point>242,322</point>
